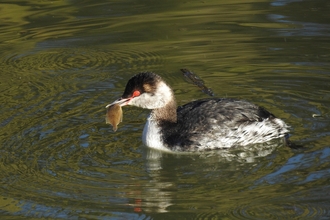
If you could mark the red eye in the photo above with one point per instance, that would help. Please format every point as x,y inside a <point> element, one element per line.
<point>136,93</point>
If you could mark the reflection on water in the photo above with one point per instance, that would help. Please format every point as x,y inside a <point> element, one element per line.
<point>307,28</point>
<point>63,61</point>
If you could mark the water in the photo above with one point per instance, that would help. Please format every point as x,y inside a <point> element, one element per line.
<point>63,61</point>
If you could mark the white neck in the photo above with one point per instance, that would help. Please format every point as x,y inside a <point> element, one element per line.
<point>151,135</point>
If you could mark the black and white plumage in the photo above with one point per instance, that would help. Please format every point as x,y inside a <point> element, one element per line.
<point>215,123</point>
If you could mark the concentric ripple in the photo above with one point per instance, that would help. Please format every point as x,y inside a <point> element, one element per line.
<point>56,152</point>
<point>59,59</point>
<point>63,174</point>
<point>279,210</point>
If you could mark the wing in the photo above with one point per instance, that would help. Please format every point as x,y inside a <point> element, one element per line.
<point>221,112</point>
<point>212,119</point>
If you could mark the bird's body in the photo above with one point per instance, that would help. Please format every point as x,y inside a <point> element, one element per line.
<point>205,124</point>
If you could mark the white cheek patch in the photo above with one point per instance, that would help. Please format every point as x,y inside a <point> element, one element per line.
<point>147,100</point>
<point>158,99</point>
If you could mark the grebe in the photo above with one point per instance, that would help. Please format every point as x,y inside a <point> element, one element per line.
<point>206,124</point>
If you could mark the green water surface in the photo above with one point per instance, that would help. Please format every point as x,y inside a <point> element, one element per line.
<point>63,61</point>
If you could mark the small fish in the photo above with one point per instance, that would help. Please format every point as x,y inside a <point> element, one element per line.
<point>114,116</point>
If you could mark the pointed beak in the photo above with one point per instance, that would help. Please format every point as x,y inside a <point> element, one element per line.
<point>120,101</point>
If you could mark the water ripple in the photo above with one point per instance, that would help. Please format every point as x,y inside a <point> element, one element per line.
<point>59,59</point>
<point>278,210</point>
